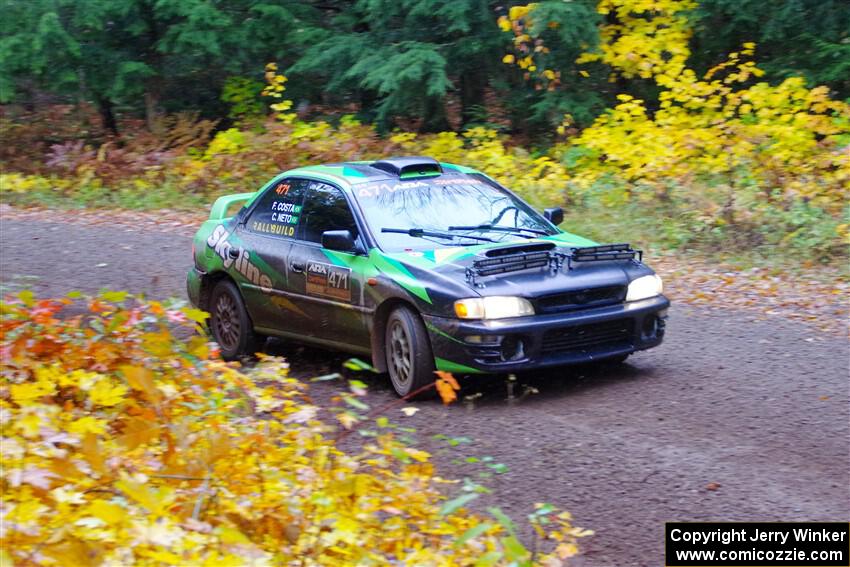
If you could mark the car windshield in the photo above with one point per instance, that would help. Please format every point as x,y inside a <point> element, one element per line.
<point>466,208</point>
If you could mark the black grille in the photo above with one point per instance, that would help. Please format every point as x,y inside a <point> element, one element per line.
<point>588,337</point>
<point>576,299</point>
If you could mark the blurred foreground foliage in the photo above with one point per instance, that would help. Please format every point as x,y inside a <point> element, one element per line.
<point>125,445</point>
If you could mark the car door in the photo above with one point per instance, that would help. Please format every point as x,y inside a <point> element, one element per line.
<point>330,291</point>
<point>267,231</point>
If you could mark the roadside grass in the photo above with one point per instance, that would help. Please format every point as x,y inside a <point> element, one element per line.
<point>159,197</point>
<point>668,230</point>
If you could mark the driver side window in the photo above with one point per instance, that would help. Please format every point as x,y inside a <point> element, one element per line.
<point>325,208</point>
<point>278,210</point>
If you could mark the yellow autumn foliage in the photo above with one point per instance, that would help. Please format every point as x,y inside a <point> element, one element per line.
<point>123,445</point>
<point>650,37</point>
<point>787,141</point>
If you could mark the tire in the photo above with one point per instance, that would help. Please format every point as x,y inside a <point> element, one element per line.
<point>230,324</point>
<point>410,361</point>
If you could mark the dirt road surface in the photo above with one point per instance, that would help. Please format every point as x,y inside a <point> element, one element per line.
<point>731,419</point>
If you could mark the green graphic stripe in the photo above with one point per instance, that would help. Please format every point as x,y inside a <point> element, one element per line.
<point>449,366</point>
<point>443,334</point>
<point>341,260</point>
<point>400,275</point>
<point>566,238</point>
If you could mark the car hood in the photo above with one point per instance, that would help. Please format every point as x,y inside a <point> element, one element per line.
<point>451,265</point>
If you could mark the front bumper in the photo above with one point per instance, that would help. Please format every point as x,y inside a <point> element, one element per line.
<point>537,341</point>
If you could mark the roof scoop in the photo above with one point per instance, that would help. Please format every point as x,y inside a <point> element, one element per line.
<point>409,167</point>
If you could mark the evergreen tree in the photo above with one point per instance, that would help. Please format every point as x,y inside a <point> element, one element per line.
<point>401,58</point>
<point>793,37</point>
<point>143,54</point>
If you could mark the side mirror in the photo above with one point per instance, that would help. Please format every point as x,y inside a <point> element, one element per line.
<point>339,240</point>
<point>555,215</point>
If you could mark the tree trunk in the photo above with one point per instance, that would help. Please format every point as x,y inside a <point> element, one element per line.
<point>154,60</point>
<point>151,106</point>
<point>471,96</point>
<point>434,118</point>
<point>107,116</point>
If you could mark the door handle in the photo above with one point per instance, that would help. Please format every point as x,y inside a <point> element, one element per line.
<point>296,266</point>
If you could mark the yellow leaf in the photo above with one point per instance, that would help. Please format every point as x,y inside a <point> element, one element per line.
<point>103,393</point>
<point>418,455</point>
<point>566,550</point>
<point>31,391</point>
<point>232,535</point>
<point>154,501</point>
<point>106,511</point>
<point>86,425</point>
<point>346,419</point>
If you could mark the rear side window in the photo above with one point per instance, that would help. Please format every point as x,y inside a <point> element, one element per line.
<point>325,209</point>
<point>278,211</point>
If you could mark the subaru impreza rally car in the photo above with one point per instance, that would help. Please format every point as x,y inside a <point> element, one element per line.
<point>422,265</point>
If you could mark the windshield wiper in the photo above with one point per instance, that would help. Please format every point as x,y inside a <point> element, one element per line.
<point>421,232</point>
<point>515,230</point>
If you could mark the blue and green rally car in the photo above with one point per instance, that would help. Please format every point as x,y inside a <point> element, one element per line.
<point>422,265</point>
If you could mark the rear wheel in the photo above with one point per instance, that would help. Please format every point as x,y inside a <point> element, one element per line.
<point>410,361</point>
<point>230,323</point>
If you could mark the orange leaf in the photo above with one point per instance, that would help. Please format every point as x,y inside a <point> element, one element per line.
<point>448,377</point>
<point>446,387</point>
<point>141,379</point>
<point>138,431</point>
<point>92,451</point>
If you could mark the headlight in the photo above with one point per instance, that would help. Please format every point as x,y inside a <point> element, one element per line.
<point>493,307</point>
<point>644,288</point>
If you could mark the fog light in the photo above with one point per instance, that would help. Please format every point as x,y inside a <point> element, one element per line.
<point>483,339</point>
<point>650,326</point>
<point>513,349</point>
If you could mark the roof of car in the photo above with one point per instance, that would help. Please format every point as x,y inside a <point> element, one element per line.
<point>405,167</point>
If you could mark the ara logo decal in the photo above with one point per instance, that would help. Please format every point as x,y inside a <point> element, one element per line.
<point>317,268</point>
<point>241,262</point>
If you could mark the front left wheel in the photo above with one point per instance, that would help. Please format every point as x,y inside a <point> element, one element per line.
<point>230,323</point>
<point>410,361</point>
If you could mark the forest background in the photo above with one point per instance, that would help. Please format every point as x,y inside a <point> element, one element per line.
<point>716,126</point>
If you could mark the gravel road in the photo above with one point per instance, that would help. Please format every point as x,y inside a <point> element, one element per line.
<point>731,419</point>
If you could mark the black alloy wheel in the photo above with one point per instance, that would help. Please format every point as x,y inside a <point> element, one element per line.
<point>410,361</point>
<point>230,323</point>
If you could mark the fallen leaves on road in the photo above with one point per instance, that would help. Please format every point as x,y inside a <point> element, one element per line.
<point>819,295</point>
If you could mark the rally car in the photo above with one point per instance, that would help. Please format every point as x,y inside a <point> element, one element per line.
<point>422,265</point>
